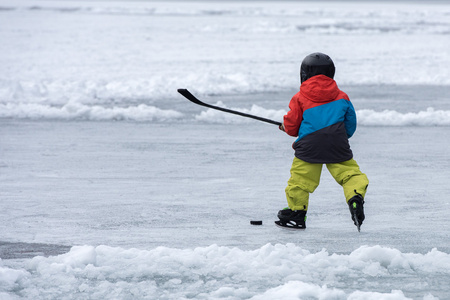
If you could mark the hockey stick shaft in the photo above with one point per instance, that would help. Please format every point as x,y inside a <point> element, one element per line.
<point>193,99</point>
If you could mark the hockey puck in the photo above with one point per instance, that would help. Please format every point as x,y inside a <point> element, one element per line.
<point>256,222</point>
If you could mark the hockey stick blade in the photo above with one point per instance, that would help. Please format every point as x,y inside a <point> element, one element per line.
<point>194,99</point>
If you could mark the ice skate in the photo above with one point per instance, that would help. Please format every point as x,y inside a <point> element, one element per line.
<point>293,219</point>
<point>356,206</point>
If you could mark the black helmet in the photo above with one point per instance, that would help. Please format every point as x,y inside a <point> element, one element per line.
<point>316,64</point>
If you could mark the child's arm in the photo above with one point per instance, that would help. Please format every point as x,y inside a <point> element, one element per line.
<point>293,119</point>
<point>350,120</point>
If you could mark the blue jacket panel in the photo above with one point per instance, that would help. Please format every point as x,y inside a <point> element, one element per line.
<point>327,114</point>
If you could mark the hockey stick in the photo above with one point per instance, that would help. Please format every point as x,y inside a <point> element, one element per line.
<point>193,99</point>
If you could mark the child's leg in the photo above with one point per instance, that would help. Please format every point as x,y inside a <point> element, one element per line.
<point>305,178</point>
<point>349,176</point>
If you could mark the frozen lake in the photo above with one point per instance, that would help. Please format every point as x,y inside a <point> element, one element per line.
<point>113,186</point>
<point>147,185</point>
<point>131,185</point>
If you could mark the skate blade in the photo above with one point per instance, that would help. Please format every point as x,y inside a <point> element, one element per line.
<point>288,227</point>
<point>355,221</point>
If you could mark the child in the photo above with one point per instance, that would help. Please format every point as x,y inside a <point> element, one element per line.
<point>323,118</point>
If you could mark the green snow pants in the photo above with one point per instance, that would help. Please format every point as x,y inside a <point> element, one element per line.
<point>305,178</point>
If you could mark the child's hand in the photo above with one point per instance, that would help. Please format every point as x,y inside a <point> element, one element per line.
<point>281,127</point>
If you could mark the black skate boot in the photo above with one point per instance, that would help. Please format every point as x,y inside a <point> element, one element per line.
<point>356,206</point>
<point>294,219</point>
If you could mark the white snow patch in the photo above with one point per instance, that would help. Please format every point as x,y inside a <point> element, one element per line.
<point>430,117</point>
<point>214,272</point>
<point>75,111</point>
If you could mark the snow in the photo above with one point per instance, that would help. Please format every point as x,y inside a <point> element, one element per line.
<point>430,117</point>
<point>75,111</point>
<point>113,186</point>
<point>146,113</point>
<point>98,52</point>
<point>286,271</point>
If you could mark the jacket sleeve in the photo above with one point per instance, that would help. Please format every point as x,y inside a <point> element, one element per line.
<point>293,118</point>
<point>350,120</point>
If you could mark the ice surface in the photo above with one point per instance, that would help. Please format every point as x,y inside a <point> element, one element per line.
<point>153,195</point>
<point>149,199</point>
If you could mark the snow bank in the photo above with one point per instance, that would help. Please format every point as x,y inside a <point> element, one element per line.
<point>146,113</point>
<point>270,272</point>
<point>77,111</point>
<point>9,279</point>
<point>56,92</point>
<point>430,117</point>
